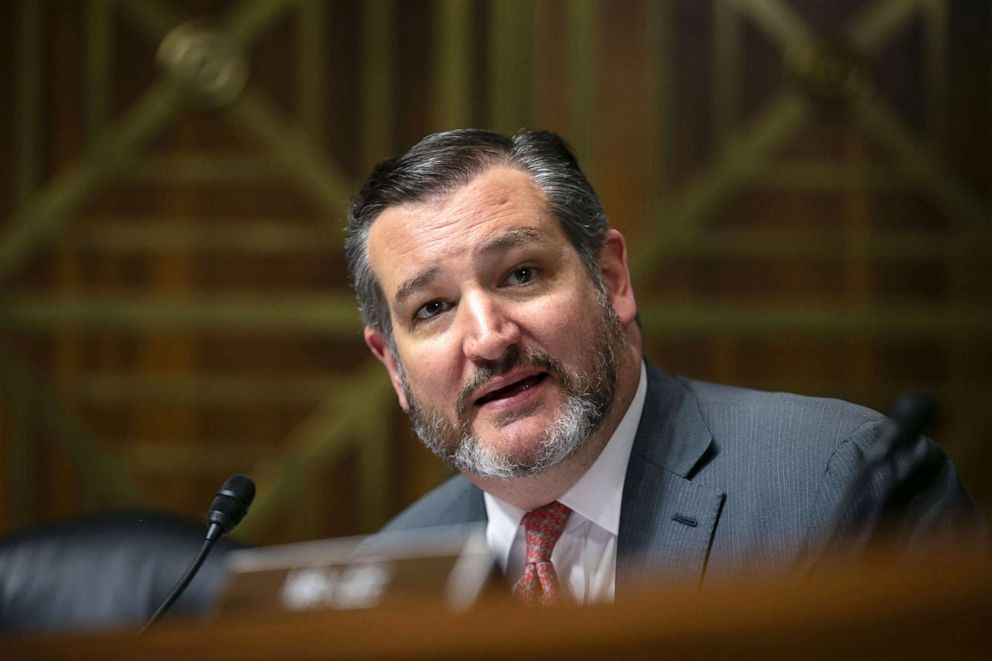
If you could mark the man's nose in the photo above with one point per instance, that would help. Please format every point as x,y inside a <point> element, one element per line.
<point>489,330</point>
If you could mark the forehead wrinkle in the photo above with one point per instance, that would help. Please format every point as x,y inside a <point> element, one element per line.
<point>461,207</point>
<point>512,239</point>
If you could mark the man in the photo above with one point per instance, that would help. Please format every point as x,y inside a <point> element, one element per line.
<point>500,302</point>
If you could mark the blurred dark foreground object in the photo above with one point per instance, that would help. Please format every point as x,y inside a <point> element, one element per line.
<point>105,570</point>
<point>879,610</point>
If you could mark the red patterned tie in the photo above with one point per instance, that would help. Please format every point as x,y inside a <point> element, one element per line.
<point>539,583</point>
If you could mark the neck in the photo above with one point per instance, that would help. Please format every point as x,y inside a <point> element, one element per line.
<point>531,492</point>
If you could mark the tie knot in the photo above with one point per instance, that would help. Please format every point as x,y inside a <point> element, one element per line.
<point>543,527</point>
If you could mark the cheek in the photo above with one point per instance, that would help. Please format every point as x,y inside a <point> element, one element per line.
<point>431,367</point>
<point>560,325</point>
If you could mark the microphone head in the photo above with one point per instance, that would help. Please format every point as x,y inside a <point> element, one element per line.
<point>911,415</point>
<point>231,502</point>
<point>915,408</point>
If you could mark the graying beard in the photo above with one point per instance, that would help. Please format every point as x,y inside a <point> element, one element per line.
<point>578,420</point>
<point>580,417</point>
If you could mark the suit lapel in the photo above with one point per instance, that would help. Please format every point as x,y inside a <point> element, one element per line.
<point>667,521</point>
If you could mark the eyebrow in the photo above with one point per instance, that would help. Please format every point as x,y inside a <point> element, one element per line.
<point>422,279</point>
<point>503,242</point>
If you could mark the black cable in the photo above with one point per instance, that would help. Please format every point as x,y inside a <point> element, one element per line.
<point>183,582</point>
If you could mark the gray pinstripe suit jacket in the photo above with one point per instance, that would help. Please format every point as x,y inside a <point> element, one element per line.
<point>721,479</point>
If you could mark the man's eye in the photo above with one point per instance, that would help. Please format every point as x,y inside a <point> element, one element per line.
<point>521,276</point>
<point>430,310</point>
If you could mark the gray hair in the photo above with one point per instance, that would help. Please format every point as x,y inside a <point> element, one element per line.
<point>441,163</point>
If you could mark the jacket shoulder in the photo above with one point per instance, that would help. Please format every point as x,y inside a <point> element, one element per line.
<point>787,462</point>
<point>814,425</point>
<point>455,501</point>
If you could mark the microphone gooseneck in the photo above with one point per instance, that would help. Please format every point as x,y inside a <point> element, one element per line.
<point>228,508</point>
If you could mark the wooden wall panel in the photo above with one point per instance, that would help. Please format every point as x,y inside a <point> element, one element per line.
<point>806,186</point>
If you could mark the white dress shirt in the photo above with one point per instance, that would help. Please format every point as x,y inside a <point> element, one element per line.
<point>585,558</point>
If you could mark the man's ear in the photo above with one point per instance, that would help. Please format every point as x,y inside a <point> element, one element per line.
<point>616,276</point>
<point>376,342</point>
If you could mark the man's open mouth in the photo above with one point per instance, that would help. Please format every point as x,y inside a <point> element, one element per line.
<point>512,389</point>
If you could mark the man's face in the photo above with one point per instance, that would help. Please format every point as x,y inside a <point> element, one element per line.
<point>504,346</point>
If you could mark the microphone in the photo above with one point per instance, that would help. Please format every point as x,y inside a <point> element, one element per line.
<point>910,416</point>
<point>230,505</point>
<point>226,511</point>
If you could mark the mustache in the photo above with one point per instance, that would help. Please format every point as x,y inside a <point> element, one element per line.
<point>514,358</point>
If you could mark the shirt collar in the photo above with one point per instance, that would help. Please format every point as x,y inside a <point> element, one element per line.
<point>598,494</point>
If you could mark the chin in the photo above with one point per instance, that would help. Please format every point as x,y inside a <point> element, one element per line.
<point>524,458</point>
<point>520,447</point>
